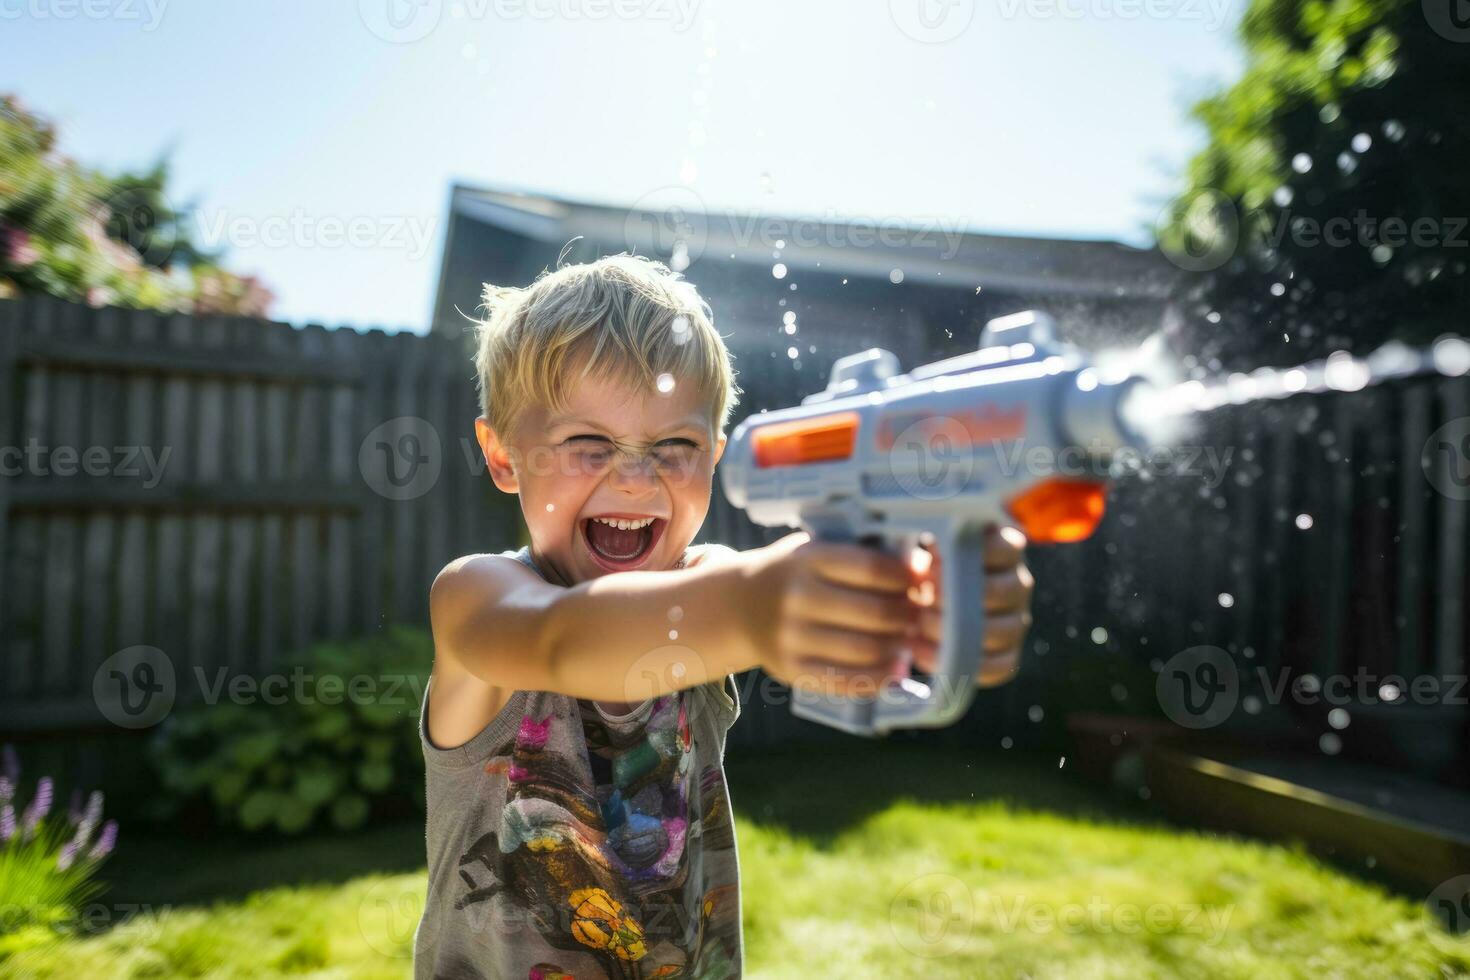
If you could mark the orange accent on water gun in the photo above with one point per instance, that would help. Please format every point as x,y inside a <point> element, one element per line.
<point>819,439</point>
<point>1059,510</point>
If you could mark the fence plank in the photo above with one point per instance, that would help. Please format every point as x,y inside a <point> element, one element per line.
<point>99,530</point>
<point>1414,494</point>
<point>59,666</point>
<point>135,575</point>
<point>1454,520</point>
<point>9,443</point>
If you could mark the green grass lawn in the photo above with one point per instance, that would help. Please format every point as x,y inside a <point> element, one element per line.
<point>875,863</point>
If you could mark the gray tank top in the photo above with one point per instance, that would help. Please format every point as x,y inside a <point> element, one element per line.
<point>567,842</point>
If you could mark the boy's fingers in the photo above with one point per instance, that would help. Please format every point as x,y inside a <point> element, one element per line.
<point>860,567</point>
<point>1004,546</point>
<point>831,644</point>
<point>1005,631</point>
<point>1008,590</point>
<point>853,609</point>
<point>999,668</point>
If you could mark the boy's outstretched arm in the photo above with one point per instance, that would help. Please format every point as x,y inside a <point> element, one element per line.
<point>825,616</point>
<point>510,628</point>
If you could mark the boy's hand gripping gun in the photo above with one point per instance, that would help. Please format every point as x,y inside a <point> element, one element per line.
<point>1021,430</point>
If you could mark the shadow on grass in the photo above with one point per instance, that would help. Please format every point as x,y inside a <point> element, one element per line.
<point>157,869</point>
<point>820,791</point>
<point>816,792</point>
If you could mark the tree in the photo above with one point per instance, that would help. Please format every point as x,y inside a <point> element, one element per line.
<point>1329,209</point>
<point>75,233</point>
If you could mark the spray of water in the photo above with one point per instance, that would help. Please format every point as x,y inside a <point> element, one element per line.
<point>1164,411</point>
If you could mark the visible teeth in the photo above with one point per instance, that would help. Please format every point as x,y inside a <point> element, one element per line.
<point>625,524</point>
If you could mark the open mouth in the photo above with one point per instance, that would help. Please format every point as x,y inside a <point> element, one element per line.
<point>621,542</point>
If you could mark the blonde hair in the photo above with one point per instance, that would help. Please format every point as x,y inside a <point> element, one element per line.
<point>622,317</point>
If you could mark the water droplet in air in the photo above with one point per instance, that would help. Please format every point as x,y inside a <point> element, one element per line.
<point>1283,196</point>
<point>1301,163</point>
<point>1278,289</point>
<point>1304,522</point>
<point>791,352</point>
<point>1006,742</point>
<point>1381,254</point>
<point>1338,718</point>
<point>1226,600</point>
<point>676,613</point>
<point>550,508</point>
<point>1330,744</point>
<point>1362,142</point>
<point>1346,162</point>
<point>1394,130</point>
<point>779,270</point>
<point>1452,356</point>
<point>1099,635</point>
<point>895,276</point>
<point>665,383</point>
<point>789,317</point>
<point>673,634</point>
<point>1035,713</point>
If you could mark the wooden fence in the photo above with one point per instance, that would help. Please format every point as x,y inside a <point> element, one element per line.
<point>203,486</point>
<point>279,517</point>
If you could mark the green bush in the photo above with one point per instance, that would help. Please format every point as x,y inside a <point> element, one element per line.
<point>336,740</point>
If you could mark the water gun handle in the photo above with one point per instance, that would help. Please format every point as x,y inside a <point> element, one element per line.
<point>908,702</point>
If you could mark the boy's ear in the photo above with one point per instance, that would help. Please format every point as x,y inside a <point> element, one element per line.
<point>720,447</point>
<point>497,456</point>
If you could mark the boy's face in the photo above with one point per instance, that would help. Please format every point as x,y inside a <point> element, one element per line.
<point>642,459</point>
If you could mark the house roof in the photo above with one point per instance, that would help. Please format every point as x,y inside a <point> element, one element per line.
<point>934,255</point>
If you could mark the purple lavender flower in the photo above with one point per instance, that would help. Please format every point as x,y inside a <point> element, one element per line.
<point>91,816</point>
<point>10,764</point>
<point>40,806</point>
<point>67,856</point>
<point>106,842</point>
<point>7,822</point>
<point>7,790</point>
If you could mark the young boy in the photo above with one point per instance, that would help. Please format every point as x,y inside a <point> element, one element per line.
<point>574,724</point>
